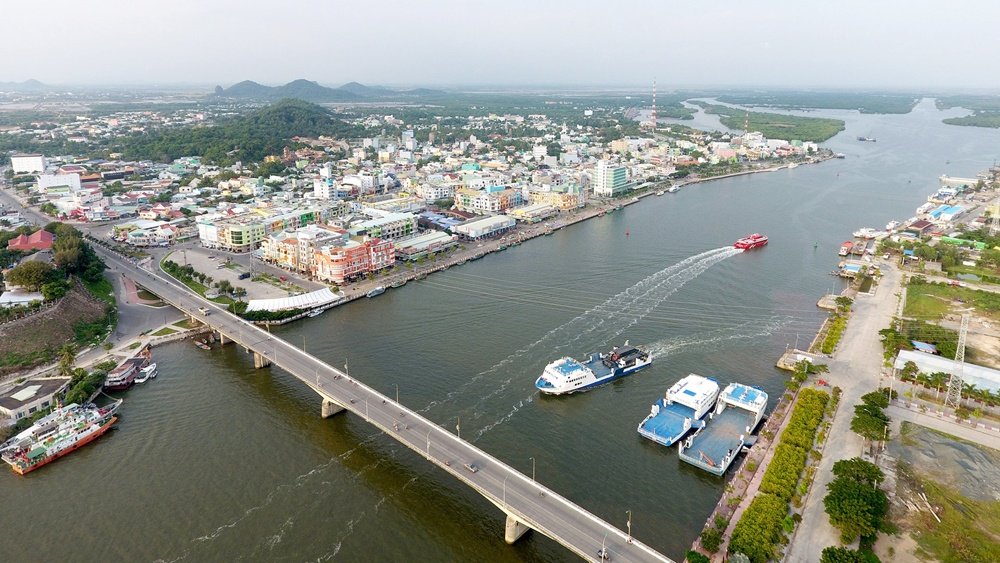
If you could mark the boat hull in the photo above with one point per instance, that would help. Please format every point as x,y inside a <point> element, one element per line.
<point>104,428</point>
<point>593,384</point>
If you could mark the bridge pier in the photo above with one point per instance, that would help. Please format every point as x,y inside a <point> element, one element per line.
<point>222,339</point>
<point>260,361</point>
<point>513,530</point>
<point>330,408</point>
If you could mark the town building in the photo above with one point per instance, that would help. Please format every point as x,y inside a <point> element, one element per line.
<point>486,227</point>
<point>384,224</point>
<point>38,240</point>
<point>533,213</point>
<point>244,232</point>
<point>27,163</point>
<point>421,245</point>
<point>32,396</point>
<point>351,259</point>
<point>490,199</point>
<point>296,250</point>
<point>609,180</point>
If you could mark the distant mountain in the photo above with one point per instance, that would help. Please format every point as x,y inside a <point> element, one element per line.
<point>26,86</point>
<point>314,92</point>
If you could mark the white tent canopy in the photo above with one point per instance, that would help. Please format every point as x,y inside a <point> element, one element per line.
<point>312,300</point>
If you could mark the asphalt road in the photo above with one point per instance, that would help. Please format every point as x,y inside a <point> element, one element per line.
<point>528,501</point>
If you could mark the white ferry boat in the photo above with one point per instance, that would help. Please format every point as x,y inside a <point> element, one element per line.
<point>680,410</point>
<point>567,375</point>
<point>727,431</point>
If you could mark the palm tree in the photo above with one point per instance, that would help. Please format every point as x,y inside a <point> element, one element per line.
<point>67,357</point>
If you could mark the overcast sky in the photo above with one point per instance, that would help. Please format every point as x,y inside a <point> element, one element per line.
<point>793,43</point>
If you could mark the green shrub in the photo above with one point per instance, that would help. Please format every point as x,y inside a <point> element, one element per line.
<point>759,529</point>
<point>711,539</point>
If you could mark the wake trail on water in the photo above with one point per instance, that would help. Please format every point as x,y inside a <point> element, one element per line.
<point>616,314</point>
<point>670,346</point>
<point>625,310</point>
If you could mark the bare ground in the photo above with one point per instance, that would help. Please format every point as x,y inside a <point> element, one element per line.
<point>34,340</point>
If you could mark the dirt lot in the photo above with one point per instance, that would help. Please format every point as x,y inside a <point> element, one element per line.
<point>36,339</point>
<point>960,483</point>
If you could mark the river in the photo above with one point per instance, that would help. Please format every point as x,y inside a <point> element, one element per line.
<point>214,460</point>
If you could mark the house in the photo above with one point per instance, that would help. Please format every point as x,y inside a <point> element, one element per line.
<point>32,396</point>
<point>38,240</point>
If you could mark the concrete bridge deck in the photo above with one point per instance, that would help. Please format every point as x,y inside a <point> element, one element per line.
<point>526,503</point>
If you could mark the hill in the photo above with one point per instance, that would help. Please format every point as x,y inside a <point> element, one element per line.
<point>248,138</point>
<point>26,86</point>
<point>311,91</point>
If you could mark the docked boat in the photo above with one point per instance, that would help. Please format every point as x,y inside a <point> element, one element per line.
<point>673,189</point>
<point>146,373</point>
<point>755,240</point>
<point>866,233</point>
<point>681,409</point>
<point>56,434</point>
<point>315,313</point>
<point>891,226</point>
<point>867,139</point>
<point>123,376</point>
<point>567,375</point>
<point>660,192</point>
<point>845,248</point>
<point>727,431</point>
<point>377,291</point>
<point>840,155</point>
<point>202,344</point>
<point>793,165</point>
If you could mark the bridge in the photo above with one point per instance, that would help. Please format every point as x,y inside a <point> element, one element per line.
<point>527,504</point>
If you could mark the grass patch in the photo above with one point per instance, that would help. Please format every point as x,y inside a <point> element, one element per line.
<point>968,530</point>
<point>187,324</point>
<point>147,295</point>
<point>134,345</point>
<point>101,289</point>
<point>777,126</point>
<point>866,284</point>
<point>165,331</point>
<point>934,300</point>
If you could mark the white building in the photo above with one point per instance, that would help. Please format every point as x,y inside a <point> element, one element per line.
<point>27,163</point>
<point>48,181</point>
<point>485,227</point>
<point>609,180</point>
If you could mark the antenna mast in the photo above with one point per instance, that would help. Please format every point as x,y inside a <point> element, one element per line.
<point>653,116</point>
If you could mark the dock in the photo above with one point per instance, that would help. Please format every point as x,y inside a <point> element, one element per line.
<point>727,431</point>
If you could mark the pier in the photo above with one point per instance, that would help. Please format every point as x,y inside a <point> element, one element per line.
<point>526,503</point>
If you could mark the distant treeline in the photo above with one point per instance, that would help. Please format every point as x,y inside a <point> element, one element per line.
<point>777,126</point>
<point>863,102</point>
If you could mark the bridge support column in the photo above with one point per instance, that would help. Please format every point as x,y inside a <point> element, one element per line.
<point>513,530</point>
<point>330,408</point>
<point>222,339</point>
<point>260,361</point>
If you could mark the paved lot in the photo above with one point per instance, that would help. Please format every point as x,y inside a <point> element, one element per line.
<point>855,369</point>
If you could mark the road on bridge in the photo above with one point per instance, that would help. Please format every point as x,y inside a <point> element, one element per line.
<point>520,497</point>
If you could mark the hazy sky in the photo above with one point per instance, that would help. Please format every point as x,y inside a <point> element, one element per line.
<point>795,43</point>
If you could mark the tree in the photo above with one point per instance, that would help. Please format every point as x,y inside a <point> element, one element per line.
<point>870,422</point>
<point>876,399</point>
<point>67,357</point>
<point>858,470</point>
<point>854,508</point>
<point>30,275</point>
<point>909,371</point>
<point>834,554</point>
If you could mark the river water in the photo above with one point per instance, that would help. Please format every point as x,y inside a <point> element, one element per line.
<point>214,460</point>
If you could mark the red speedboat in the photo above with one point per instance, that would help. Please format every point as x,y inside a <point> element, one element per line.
<point>752,241</point>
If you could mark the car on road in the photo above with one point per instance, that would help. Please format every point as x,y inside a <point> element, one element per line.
<point>244,275</point>
<point>472,467</point>
<point>203,311</point>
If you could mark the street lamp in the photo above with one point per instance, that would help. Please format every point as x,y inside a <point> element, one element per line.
<point>532,469</point>
<point>397,392</point>
<point>428,444</point>
<point>629,526</point>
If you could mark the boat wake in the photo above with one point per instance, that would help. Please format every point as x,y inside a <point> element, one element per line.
<point>608,319</point>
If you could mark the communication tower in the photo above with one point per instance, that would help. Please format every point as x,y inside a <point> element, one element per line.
<point>652,116</point>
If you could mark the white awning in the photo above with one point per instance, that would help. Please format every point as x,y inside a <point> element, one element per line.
<point>310,300</point>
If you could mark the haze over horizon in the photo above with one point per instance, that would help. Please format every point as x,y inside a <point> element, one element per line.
<point>783,43</point>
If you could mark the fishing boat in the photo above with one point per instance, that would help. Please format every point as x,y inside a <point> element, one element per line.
<point>660,192</point>
<point>59,433</point>
<point>202,344</point>
<point>123,376</point>
<point>398,283</point>
<point>891,226</point>
<point>673,189</point>
<point>750,242</point>
<point>567,375</point>
<point>376,292</point>
<point>845,248</point>
<point>315,313</point>
<point>727,431</point>
<point>682,408</point>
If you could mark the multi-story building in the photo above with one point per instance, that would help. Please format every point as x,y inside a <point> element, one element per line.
<point>296,250</point>
<point>609,180</point>
<point>243,233</point>
<point>564,196</point>
<point>349,260</point>
<point>27,163</point>
<point>485,227</point>
<point>492,199</point>
<point>49,181</point>
<point>384,224</point>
